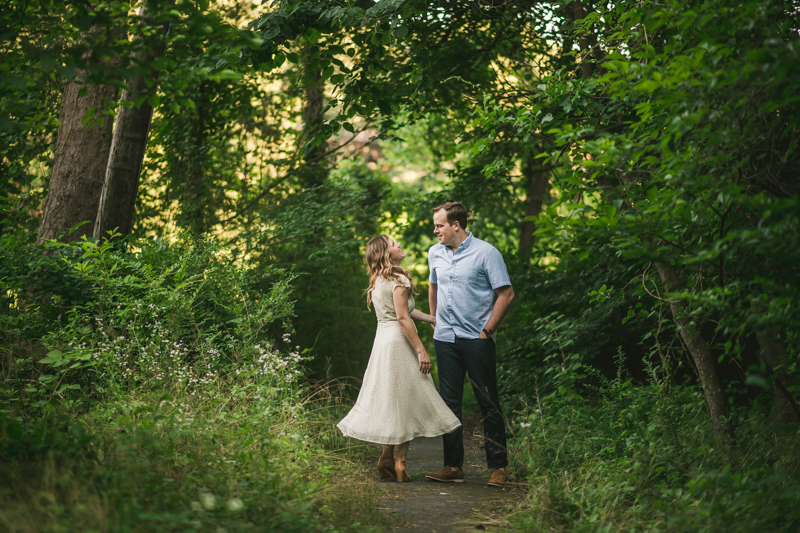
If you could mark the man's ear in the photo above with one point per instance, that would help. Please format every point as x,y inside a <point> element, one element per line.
<point>457,225</point>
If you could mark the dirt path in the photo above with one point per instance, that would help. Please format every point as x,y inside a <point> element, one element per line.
<point>427,506</point>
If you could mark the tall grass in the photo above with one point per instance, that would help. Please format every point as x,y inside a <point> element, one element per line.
<point>144,391</point>
<point>643,457</point>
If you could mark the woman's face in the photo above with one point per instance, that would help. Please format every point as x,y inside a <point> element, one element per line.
<point>396,253</point>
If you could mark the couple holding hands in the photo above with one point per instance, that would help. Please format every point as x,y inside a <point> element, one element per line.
<point>398,400</point>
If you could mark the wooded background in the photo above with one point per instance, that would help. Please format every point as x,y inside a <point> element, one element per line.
<point>635,162</point>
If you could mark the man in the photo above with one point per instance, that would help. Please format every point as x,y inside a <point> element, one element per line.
<point>465,274</point>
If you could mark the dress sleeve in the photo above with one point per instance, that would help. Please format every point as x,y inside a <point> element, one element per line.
<point>402,282</point>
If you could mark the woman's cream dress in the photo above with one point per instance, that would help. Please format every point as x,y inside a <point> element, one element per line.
<point>396,402</point>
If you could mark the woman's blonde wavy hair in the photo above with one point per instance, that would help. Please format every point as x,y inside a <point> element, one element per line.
<point>379,265</point>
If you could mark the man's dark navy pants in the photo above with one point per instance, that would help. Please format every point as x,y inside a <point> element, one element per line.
<point>478,358</point>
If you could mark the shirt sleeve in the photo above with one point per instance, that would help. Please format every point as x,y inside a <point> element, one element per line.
<point>496,269</point>
<point>431,270</point>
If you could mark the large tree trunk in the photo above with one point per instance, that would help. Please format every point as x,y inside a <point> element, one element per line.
<point>785,398</point>
<point>195,200</point>
<point>316,169</point>
<point>126,156</point>
<point>587,40</point>
<point>534,200</point>
<point>79,162</point>
<point>701,355</point>
<point>784,402</point>
<point>583,40</point>
<point>81,151</point>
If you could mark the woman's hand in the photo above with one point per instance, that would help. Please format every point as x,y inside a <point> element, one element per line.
<point>419,316</point>
<point>424,362</point>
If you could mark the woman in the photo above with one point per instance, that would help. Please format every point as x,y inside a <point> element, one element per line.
<point>397,401</point>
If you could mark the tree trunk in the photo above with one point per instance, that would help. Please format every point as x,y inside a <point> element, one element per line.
<point>586,39</point>
<point>701,355</point>
<point>79,162</point>
<point>534,200</point>
<point>195,210</point>
<point>315,170</point>
<point>126,156</point>
<point>81,150</point>
<point>785,400</point>
<point>569,34</point>
<point>583,40</point>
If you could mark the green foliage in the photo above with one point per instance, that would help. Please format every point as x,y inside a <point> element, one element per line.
<point>639,457</point>
<point>321,234</point>
<point>155,398</point>
<point>678,154</point>
<point>118,312</point>
<point>672,143</point>
<point>241,453</point>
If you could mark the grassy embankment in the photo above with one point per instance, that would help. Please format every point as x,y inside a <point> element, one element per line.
<point>145,392</point>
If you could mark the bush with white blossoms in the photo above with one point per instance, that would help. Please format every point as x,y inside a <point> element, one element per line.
<point>163,392</point>
<point>271,362</point>
<point>166,319</point>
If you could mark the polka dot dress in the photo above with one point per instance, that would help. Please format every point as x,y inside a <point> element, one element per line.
<point>397,402</point>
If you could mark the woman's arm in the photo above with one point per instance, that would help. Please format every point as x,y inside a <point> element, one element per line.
<point>400,299</point>
<point>419,316</point>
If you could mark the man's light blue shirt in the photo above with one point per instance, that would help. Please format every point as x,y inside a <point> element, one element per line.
<point>465,281</point>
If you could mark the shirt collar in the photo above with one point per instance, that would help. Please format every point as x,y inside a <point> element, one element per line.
<point>464,244</point>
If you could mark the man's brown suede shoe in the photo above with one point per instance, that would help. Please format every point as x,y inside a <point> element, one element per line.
<point>498,478</point>
<point>446,475</point>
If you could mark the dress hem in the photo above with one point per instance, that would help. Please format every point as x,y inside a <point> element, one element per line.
<point>392,440</point>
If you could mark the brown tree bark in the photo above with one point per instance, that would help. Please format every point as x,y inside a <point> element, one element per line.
<point>785,399</point>
<point>568,32</point>
<point>79,162</point>
<point>316,170</point>
<point>81,151</point>
<point>587,40</point>
<point>194,212</point>
<point>701,355</point>
<point>534,199</point>
<point>121,180</point>
<point>583,40</point>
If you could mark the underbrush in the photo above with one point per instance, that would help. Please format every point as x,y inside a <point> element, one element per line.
<point>231,458</point>
<point>144,391</point>
<point>643,457</point>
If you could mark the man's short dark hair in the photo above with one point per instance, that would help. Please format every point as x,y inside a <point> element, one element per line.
<point>456,212</point>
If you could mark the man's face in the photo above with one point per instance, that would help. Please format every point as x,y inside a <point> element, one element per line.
<point>448,235</point>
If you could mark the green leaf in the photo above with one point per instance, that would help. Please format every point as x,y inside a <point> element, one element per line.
<point>385,107</point>
<point>648,85</point>
<point>754,380</point>
<point>228,74</point>
<point>15,430</point>
<point>53,356</point>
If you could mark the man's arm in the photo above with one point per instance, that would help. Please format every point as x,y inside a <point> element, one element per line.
<point>504,297</point>
<point>432,300</point>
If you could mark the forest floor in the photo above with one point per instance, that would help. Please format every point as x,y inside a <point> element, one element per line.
<point>428,506</point>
